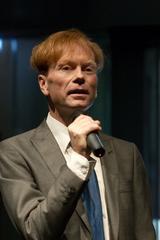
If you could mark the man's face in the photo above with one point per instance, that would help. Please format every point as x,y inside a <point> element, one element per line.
<point>72,82</point>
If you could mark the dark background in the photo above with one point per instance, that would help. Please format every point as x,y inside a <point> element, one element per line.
<point>24,16</point>
<point>132,30</point>
<point>130,26</point>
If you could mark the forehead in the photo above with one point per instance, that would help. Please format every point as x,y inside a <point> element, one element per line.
<point>77,53</point>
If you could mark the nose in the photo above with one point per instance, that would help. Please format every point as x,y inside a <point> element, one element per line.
<point>79,78</point>
<point>79,81</point>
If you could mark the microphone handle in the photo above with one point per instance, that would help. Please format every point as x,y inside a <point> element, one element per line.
<point>95,144</point>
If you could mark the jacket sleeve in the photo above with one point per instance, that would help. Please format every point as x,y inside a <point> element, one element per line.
<point>35,216</point>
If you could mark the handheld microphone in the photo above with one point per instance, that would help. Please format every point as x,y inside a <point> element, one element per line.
<point>93,141</point>
<point>95,144</point>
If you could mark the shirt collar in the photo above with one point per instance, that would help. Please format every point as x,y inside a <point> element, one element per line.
<point>60,132</point>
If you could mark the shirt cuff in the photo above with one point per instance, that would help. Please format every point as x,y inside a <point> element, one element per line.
<point>78,164</point>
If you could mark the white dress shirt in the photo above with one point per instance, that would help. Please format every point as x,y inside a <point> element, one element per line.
<point>79,164</point>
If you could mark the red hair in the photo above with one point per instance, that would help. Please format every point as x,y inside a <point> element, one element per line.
<point>51,49</point>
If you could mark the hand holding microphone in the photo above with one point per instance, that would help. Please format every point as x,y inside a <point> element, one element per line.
<point>84,136</point>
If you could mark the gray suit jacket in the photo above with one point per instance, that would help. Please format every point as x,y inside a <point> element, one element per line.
<point>42,196</point>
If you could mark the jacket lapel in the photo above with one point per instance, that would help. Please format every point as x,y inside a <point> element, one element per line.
<point>45,143</point>
<point>82,214</point>
<point>111,181</point>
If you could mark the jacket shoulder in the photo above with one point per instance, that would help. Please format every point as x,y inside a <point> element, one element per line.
<point>117,142</point>
<point>24,136</point>
<point>122,148</point>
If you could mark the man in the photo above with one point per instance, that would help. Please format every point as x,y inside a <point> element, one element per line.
<point>45,172</point>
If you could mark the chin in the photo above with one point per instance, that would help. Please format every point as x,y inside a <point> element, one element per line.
<point>82,107</point>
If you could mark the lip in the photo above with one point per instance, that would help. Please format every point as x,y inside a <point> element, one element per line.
<point>77,91</point>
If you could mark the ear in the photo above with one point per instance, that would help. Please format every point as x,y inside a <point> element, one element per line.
<point>43,84</point>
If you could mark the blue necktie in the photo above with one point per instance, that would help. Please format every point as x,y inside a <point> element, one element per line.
<point>92,203</point>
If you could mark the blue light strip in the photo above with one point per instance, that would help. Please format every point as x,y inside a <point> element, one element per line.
<point>156,223</point>
<point>14,45</point>
<point>1,44</point>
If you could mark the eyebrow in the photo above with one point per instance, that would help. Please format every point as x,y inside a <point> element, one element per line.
<point>70,62</point>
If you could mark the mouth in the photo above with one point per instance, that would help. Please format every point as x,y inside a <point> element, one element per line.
<point>78,91</point>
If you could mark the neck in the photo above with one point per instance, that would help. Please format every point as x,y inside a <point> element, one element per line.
<point>66,117</point>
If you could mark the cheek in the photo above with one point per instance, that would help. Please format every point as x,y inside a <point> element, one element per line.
<point>56,89</point>
<point>54,83</point>
<point>93,84</point>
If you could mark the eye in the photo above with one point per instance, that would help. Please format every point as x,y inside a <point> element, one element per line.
<point>65,68</point>
<point>90,69</point>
